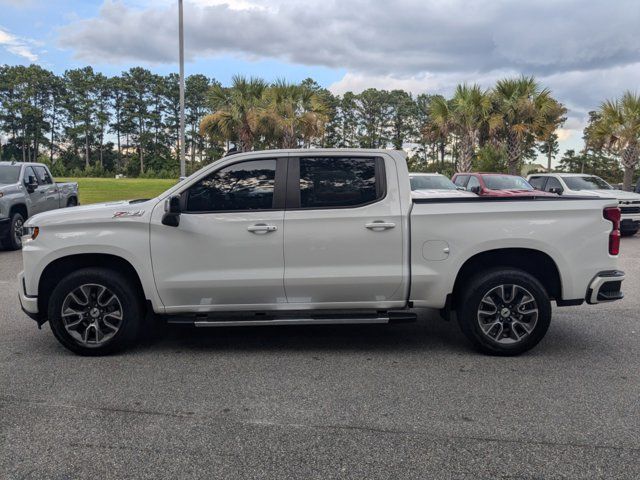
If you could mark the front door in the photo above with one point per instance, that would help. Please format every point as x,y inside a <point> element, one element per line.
<point>48,189</point>
<point>226,254</point>
<point>38,197</point>
<point>343,242</point>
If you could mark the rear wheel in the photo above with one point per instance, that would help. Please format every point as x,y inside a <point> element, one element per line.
<point>629,233</point>
<point>504,311</point>
<point>95,311</point>
<point>13,241</point>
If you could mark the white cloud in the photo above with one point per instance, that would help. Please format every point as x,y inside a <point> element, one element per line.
<point>401,37</point>
<point>17,46</point>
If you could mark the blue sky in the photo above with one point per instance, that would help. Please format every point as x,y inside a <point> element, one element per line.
<point>583,50</point>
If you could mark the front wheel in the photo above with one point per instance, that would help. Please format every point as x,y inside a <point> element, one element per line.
<point>504,311</point>
<point>13,241</point>
<point>95,311</point>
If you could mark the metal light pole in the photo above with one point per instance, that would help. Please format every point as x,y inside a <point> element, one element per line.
<point>181,41</point>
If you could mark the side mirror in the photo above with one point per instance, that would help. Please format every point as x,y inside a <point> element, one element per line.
<point>31,184</point>
<point>557,190</point>
<point>475,190</point>
<point>172,211</point>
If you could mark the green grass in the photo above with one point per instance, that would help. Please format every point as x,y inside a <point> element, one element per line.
<point>96,190</point>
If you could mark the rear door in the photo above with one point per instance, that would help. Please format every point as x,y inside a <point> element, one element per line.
<point>343,232</point>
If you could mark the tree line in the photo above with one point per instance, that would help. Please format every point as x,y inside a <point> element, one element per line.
<point>84,123</point>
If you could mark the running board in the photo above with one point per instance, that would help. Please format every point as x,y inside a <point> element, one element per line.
<point>232,320</point>
<point>289,321</point>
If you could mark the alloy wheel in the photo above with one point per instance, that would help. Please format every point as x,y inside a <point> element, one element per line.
<point>507,314</point>
<point>17,230</point>
<point>92,314</point>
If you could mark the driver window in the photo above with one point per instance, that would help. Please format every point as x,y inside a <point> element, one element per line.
<point>28,174</point>
<point>473,182</point>
<point>537,182</point>
<point>553,183</point>
<point>242,186</point>
<point>43,176</point>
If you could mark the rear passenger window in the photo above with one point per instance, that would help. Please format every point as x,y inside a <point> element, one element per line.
<point>333,182</point>
<point>537,182</point>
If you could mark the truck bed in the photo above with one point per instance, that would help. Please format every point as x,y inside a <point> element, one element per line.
<point>446,233</point>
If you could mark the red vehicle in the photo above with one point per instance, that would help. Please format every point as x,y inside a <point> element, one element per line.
<point>497,185</point>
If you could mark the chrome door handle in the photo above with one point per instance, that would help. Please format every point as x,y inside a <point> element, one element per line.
<point>262,228</point>
<point>380,225</point>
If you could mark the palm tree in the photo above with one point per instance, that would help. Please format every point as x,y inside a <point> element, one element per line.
<point>294,113</point>
<point>440,123</point>
<point>618,130</point>
<point>238,112</point>
<point>471,107</point>
<point>523,111</point>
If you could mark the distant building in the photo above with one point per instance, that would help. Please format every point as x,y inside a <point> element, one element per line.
<point>532,168</point>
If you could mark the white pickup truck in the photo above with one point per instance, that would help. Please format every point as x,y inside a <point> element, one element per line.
<point>580,184</point>
<point>316,237</point>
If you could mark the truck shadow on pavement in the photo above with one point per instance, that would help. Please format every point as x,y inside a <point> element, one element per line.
<point>428,333</point>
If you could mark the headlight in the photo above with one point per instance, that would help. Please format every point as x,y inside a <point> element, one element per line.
<point>30,233</point>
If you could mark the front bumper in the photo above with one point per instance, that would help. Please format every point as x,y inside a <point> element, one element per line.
<point>28,303</point>
<point>605,287</point>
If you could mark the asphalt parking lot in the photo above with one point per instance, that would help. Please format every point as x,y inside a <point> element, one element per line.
<point>402,401</point>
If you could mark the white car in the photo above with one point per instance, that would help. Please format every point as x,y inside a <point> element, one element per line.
<point>580,184</point>
<point>315,237</point>
<point>434,185</point>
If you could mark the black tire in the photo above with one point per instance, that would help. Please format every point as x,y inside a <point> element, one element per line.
<point>72,202</point>
<point>13,241</point>
<point>472,311</point>
<point>628,233</point>
<point>126,293</point>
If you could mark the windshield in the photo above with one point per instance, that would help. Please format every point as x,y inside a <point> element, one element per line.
<point>506,182</point>
<point>586,183</point>
<point>431,182</point>
<point>9,174</point>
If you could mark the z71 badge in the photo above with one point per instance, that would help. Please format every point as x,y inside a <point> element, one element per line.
<point>133,213</point>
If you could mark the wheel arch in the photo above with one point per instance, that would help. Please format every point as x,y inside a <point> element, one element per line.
<point>20,208</point>
<point>57,269</point>
<point>535,262</point>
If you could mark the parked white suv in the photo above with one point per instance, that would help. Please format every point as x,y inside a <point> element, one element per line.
<point>580,184</point>
<point>314,237</point>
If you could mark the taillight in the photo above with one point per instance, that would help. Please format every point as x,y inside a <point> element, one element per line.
<point>613,215</point>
